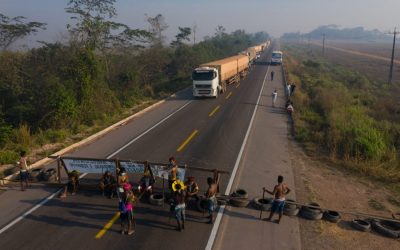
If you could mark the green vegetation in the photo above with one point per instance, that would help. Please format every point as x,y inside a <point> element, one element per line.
<point>63,90</point>
<point>343,115</point>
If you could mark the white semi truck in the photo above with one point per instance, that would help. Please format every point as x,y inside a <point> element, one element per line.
<point>210,79</point>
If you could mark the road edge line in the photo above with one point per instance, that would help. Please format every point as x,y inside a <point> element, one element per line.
<point>221,209</point>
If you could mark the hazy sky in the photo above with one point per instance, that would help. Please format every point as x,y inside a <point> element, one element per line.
<point>274,16</point>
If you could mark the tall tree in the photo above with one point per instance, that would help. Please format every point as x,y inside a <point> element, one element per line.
<point>157,27</point>
<point>183,35</point>
<point>12,29</point>
<point>94,29</point>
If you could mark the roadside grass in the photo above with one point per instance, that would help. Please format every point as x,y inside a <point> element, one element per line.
<point>345,118</point>
<point>376,205</point>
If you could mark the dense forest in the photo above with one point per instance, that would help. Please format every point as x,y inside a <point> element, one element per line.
<point>334,32</point>
<point>58,89</point>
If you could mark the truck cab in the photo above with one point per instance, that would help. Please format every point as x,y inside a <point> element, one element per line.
<point>276,57</point>
<point>205,82</point>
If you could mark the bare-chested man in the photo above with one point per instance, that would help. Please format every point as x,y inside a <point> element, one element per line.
<point>211,199</point>
<point>279,193</point>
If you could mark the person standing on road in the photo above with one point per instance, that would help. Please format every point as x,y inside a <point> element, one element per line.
<point>292,88</point>
<point>23,171</point>
<point>211,199</point>
<point>179,209</point>
<point>288,89</point>
<point>173,170</point>
<point>126,210</point>
<point>272,75</point>
<point>274,96</point>
<point>279,193</point>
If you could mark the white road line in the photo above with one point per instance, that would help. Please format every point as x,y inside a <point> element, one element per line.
<point>44,201</point>
<point>221,209</point>
<point>148,130</point>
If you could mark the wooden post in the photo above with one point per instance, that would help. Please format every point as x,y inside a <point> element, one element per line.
<point>59,170</point>
<point>163,188</point>
<point>262,207</point>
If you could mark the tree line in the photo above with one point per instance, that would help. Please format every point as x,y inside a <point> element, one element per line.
<point>104,68</point>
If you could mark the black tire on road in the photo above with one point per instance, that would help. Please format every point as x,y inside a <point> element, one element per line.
<point>35,173</point>
<point>331,216</point>
<point>240,193</point>
<point>389,229</point>
<point>361,225</point>
<point>239,202</point>
<point>49,174</point>
<point>264,204</point>
<point>311,214</point>
<point>222,202</point>
<point>156,199</point>
<point>289,205</point>
<point>202,205</point>
<point>291,211</point>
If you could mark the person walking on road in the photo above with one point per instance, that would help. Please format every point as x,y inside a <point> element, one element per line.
<point>211,199</point>
<point>272,75</point>
<point>279,193</point>
<point>274,96</point>
<point>23,171</point>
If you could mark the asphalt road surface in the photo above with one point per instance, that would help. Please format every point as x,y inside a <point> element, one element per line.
<point>221,124</point>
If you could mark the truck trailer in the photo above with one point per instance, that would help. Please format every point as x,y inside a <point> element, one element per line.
<point>211,79</point>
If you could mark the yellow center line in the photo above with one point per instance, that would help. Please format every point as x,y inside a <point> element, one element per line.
<point>237,86</point>
<point>187,141</point>
<point>107,226</point>
<point>229,95</point>
<point>214,111</point>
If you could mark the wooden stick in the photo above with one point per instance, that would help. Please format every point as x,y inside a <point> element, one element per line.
<point>262,207</point>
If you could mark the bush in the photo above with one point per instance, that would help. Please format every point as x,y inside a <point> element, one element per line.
<point>23,136</point>
<point>8,157</point>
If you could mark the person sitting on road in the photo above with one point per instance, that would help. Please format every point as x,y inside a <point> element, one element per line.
<point>72,185</point>
<point>192,189</point>
<point>126,212</point>
<point>107,184</point>
<point>211,199</point>
<point>279,193</point>
<point>122,179</point>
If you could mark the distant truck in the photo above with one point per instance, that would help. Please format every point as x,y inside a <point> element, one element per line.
<point>210,79</point>
<point>276,58</point>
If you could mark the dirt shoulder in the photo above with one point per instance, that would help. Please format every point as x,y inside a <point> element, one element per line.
<point>338,189</point>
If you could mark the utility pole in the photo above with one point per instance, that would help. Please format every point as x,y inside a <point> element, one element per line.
<point>392,59</point>
<point>323,44</point>
<point>194,33</point>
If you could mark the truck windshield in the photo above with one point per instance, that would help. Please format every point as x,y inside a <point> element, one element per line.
<point>205,75</point>
<point>277,55</point>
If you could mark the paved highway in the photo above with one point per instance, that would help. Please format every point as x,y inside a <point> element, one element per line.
<point>204,133</point>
